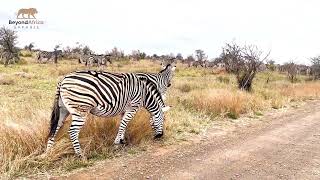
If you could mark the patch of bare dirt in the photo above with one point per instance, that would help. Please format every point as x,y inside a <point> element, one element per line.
<point>281,145</point>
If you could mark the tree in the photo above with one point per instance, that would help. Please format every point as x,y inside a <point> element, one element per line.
<point>292,70</point>
<point>86,50</point>
<point>244,62</point>
<point>270,68</point>
<point>136,55</point>
<point>315,68</point>
<point>190,60</point>
<point>29,47</point>
<point>271,65</point>
<point>8,41</point>
<point>179,56</point>
<point>56,53</point>
<point>116,53</point>
<point>200,55</point>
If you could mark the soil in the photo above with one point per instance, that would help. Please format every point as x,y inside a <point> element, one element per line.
<point>283,144</point>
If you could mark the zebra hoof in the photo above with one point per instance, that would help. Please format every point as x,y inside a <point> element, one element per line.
<point>81,157</point>
<point>118,146</point>
<point>122,141</point>
<point>158,136</point>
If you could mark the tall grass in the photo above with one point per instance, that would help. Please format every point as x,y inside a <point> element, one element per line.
<point>197,97</point>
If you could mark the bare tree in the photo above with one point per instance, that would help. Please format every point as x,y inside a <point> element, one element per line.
<point>315,68</point>
<point>244,62</point>
<point>116,53</point>
<point>8,41</point>
<point>136,55</point>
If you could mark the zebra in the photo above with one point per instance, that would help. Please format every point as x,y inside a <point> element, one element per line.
<point>104,94</point>
<point>47,56</point>
<point>162,79</point>
<point>88,60</point>
<point>102,59</point>
<point>92,59</point>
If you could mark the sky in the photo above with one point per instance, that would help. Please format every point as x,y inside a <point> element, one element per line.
<point>290,29</point>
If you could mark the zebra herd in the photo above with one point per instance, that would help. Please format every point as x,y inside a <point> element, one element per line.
<point>89,60</point>
<point>92,59</point>
<point>109,94</point>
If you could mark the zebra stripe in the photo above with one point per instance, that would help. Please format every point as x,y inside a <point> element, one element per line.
<point>162,79</point>
<point>104,94</point>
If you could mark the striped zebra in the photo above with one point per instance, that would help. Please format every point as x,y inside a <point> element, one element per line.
<point>85,59</point>
<point>104,94</point>
<point>90,60</point>
<point>162,79</point>
<point>46,56</point>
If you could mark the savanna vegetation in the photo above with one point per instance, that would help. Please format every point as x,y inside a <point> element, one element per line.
<point>199,98</point>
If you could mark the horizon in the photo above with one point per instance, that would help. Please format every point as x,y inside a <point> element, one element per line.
<point>288,28</point>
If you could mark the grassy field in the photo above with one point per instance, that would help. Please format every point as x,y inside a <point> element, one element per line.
<point>198,97</point>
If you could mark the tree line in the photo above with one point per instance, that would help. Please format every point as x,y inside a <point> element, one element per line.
<point>244,61</point>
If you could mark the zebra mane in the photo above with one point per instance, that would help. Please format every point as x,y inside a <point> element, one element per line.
<point>165,68</point>
<point>153,85</point>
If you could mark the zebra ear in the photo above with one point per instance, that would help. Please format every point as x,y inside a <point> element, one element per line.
<point>166,108</point>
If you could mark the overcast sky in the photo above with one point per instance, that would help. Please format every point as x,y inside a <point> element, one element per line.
<point>289,28</point>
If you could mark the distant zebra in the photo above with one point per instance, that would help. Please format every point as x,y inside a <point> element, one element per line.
<point>162,79</point>
<point>92,59</point>
<point>104,94</point>
<point>46,56</point>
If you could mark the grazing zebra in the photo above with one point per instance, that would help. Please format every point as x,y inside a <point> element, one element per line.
<point>104,94</point>
<point>90,60</point>
<point>162,79</point>
<point>46,56</point>
<point>86,59</point>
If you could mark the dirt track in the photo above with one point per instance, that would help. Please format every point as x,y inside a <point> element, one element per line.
<point>282,145</point>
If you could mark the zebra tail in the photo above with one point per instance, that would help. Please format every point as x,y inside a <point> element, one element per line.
<point>54,115</point>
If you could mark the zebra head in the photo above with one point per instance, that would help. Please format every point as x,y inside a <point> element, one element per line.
<point>153,102</point>
<point>166,75</point>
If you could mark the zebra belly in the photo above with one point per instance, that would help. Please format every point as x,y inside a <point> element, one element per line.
<point>106,111</point>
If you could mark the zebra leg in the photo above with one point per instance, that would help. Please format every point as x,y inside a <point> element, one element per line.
<point>78,121</point>
<point>128,115</point>
<point>152,124</point>
<point>63,114</point>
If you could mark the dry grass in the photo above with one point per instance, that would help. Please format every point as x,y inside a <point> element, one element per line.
<point>197,97</point>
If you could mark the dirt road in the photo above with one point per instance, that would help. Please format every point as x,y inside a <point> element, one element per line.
<point>282,145</point>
